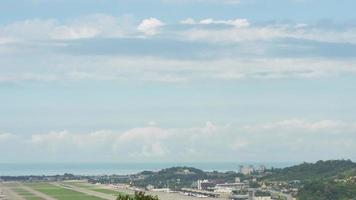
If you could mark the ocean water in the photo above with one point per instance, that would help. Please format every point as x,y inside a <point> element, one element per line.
<point>19,169</point>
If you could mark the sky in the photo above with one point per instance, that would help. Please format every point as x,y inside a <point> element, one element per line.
<point>177,80</point>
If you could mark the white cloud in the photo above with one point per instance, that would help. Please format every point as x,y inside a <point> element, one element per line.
<point>29,77</point>
<point>98,25</point>
<point>305,126</point>
<point>243,31</point>
<point>247,142</point>
<point>144,142</point>
<point>238,23</point>
<point>189,21</point>
<point>150,26</point>
<point>146,133</point>
<point>30,38</point>
<point>6,136</point>
<point>29,29</point>
<point>65,32</point>
<point>115,68</point>
<point>6,40</point>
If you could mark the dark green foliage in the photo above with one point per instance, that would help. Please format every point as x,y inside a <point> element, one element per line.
<point>137,196</point>
<point>318,179</point>
<point>259,193</point>
<point>179,177</point>
<point>327,190</point>
<point>175,177</point>
<point>254,184</point>
<point>311,171</point>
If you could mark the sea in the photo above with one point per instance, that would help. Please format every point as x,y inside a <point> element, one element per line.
<point>39,169</point>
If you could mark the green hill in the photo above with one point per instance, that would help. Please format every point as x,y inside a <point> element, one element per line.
<point>312,171</point>
<point>323,180</point>
<point>328,190</point>
<point>175,177</point>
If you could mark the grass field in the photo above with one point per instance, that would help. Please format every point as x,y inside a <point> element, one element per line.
<point>95,188</point>
<point>26,194</point>
<point>106,191</point>
<point>81,184</point>
<point>61,193</point>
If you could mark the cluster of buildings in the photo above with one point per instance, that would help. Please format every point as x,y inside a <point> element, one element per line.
<point>250,169</point>
<point>248,189</point>
<point>237,190</point>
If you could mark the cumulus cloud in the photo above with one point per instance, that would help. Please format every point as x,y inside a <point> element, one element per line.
<point>298,137</point>
<point>239,23</point>
<point>240,50</point>
<point>143,142</point>
<point>226,142</point>
<point>188,21</point>
<point>150,26</point>
<point>97,25</point>
<point>305,126</point>
<point>243,31</point>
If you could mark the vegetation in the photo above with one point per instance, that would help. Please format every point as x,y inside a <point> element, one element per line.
<point>312,171</point>
<point>137,196</point>
<point>262,193</point>
<point>254,184</point>
<point>179,177</point>
<point>323,180</point>
<point>175,177</point>
<point>61,193</point>
<point>26,194</point>
<point>327,190</point>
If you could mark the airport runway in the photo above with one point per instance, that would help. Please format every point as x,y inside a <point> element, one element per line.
<point>8,194</point>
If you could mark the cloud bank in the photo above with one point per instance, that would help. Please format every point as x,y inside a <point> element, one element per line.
<point>187,50</point>
<point>304,139</point>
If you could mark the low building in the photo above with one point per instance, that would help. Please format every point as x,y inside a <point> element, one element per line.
<point>205,184</point>
<point>263,198</point>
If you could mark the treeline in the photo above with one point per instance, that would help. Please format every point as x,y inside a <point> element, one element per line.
<point>179,177</point>
<point>137,196</point>
<point>313,171</point>
<point>323,180</point>
<point>327,190</point>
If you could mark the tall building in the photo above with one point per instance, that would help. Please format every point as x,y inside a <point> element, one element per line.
<point>246,170</point>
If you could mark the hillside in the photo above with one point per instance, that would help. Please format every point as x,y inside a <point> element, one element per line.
<point>178,177</point>
<point>328,190</point>
<point>174,177</point>
<point>313,171</point>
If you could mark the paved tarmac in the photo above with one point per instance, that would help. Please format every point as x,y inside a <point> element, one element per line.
<point>8,194</point>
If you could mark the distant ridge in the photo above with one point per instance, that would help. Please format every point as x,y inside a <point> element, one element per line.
<point>318,170</point>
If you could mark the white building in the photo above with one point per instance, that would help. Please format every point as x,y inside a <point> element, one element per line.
<point>262,198</point>
<point>246,170</point>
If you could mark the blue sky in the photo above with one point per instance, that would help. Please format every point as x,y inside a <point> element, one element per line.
<point>191,80</point>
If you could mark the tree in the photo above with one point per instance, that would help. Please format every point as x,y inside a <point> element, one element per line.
<point>136,196</point>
